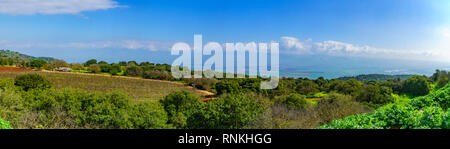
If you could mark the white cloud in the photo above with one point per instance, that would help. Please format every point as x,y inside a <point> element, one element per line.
<point>296,46</point>
<point>119,44</point>
<point>30,7</point>
<point>124,44</point>
<point>290,45</point>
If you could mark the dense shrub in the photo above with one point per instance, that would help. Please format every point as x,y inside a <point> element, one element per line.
<point>228,87</point>
<point>180,106</point>
<point>115,69</point>
<point>37,63</point>
<point>375,96</point>
<point>4,124</point>
<point>91,62</point>
<point>293,101</point>
<point>94,68</point>
<point>230,112</point>
<point>307,87</point>
<point>202,83</point>
<point>427,112</point>
<point>55,64</point>
<point>32,81</point>
<point>133,70</point>
<point>105,67</point>
<point>335,106</point>
<point>158,75</point>
<point>72,108</point>
<point>416,86</point>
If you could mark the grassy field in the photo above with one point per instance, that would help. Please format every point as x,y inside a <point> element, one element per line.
<point>138,89</point>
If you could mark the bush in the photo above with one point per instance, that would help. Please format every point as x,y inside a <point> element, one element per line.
<point>94,68</point>
<point>202,83</point>
<point>4,124</point>
<point>37,63</point>
<point>90,62</point>
<point>293,101</point>
<point>426,112</point>
<point>55,64</point>
<point>133,71</point>
<point>230,112</point>
<point>416,86</point>
<point>227,87</point>
<point>115,69</point>
<point>32,81</point>
<point>105,67</point>
<point>180,106</point>
<point>158,75</point>
<point>375,96</point>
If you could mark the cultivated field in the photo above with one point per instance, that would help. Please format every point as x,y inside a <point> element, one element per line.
<point>138,89</point>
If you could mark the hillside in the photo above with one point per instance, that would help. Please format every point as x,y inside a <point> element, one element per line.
<point>137,89</point>
<point>376,77</point>
<point>426,112</point>
<point>12,54</point>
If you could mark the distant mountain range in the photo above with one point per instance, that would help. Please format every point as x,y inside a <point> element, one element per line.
<point>12,54</point>
<point>376,77</point>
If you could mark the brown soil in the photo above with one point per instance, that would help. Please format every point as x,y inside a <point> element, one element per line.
<point>14,69</point>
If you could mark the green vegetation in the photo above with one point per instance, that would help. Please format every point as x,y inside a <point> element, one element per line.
<point>32,81</point>
<point>139,90</point>
<point>426,112</point>
<point>146,99</point>
<point>376,77</point>
<point>4,124</point>
<point>72,108</point>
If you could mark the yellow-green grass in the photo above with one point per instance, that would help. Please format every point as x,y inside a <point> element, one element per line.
<point>136,88</point>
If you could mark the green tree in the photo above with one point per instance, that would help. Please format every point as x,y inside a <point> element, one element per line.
<point>293,101</point>
<point>180,106</point>
<point>37,63</point>
<point>94,68</point>
<point>115,69</point>
<point>416,86</point>
<point>234,111</point>
<point>133,71</point>
<point>227,87</point>
<point>90,62</point>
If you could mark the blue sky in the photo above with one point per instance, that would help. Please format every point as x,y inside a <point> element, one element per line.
<point>413,29</point>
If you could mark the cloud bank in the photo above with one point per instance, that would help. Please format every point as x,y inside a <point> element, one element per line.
<point>119,44</point>
<point>48,7</point>
<point>292,45</point>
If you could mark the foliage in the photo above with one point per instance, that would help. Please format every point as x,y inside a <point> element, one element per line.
<point>55,64</point>
<point>90,62</point>
<point>293,101</point>
<point>231,112</point>
<point>180,106</point>
<point>94,68</point>
<point>228,87</point>
<point>32,81</point>
<point>4,124</point>
<point>115,69</point>
<point>71,108</point>
<point>416,86</point>
<point>37,63</point>
<point>427,112</point>
<point>202,83</point>
<point>133,70</point>
<point>377,77</point>
<point>157,75</point>
<point>375,96</point>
